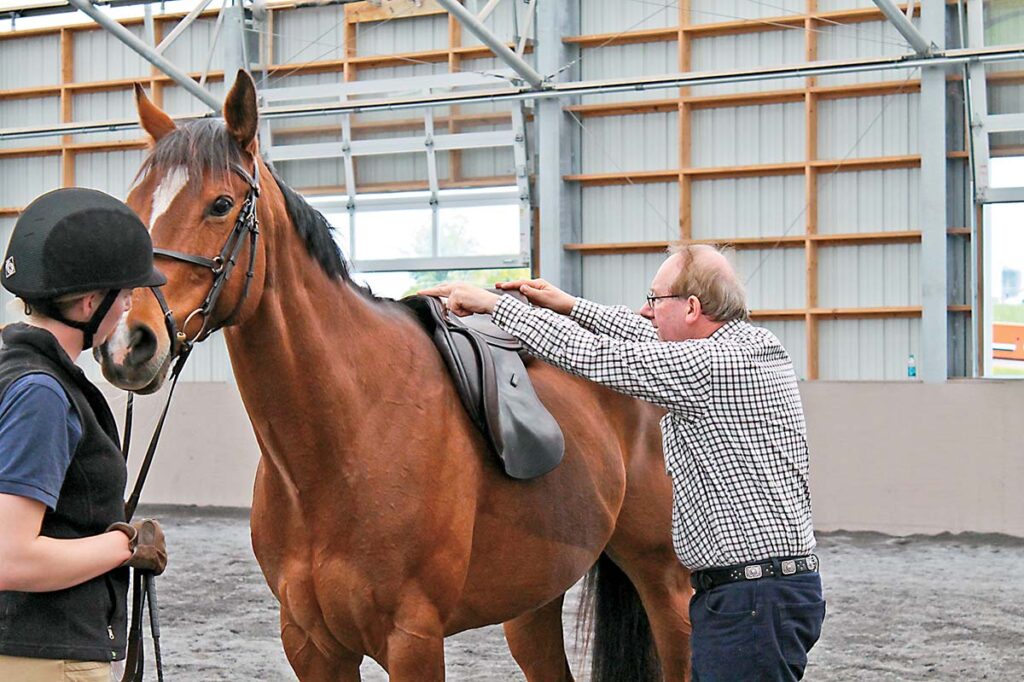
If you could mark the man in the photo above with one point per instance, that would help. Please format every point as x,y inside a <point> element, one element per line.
<point>734,439</point>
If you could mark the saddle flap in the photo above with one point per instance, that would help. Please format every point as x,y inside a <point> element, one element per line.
<point>494,387</point>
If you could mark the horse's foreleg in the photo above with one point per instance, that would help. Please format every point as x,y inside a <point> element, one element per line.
<point>536,642</point>
<point>310,663</point>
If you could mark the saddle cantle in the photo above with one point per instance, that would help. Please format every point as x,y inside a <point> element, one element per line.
<point>485,363</point>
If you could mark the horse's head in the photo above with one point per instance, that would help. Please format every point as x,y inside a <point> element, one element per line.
<point>197,193</point>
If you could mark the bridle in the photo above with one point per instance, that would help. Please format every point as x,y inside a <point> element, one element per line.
<point>222,265</point>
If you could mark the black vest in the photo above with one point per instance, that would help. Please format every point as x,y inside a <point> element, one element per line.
<point>86,622</point>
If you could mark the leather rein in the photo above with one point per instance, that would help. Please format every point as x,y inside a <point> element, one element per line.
<point>221,265</point>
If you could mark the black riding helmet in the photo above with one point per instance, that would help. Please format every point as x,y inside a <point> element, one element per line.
<point>76,240</point>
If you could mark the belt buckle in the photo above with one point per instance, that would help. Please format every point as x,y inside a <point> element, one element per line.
<point>752,572</point>
<point>788,567</point>
<point>812,563</point>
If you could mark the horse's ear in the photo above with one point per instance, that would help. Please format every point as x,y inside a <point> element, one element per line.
<point>153,119</point>
<point>240,112</point>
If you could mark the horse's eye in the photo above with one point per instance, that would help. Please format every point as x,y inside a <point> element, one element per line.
<point>221,206</point>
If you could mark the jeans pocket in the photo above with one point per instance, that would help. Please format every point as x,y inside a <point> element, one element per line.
<point>729,603</point>
<point>799,630</point>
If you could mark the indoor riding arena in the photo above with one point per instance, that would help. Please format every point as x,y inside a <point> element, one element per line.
<point>356,486</point>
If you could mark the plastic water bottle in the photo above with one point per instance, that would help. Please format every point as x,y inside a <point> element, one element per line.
<point>911,366</point>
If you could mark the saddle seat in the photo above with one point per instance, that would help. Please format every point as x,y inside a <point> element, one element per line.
<point>487,367</point>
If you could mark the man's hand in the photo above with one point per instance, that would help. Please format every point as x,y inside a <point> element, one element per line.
<point>541,293</point>
<point>146,541</point>
<point>464,299</point>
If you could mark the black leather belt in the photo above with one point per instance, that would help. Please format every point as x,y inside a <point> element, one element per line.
<point>755,570</point>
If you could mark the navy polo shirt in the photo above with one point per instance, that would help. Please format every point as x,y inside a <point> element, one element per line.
<point>39,432</point>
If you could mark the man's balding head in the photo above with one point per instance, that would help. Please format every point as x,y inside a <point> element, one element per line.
<point>704,272</point>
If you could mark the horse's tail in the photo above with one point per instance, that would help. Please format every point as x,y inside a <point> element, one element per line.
<point>612,620</point>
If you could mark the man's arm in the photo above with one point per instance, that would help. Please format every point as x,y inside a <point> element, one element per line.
<point>618,322</point>
<point>676,376</point>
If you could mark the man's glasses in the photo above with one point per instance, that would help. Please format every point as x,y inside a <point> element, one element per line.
<point>651,298</point>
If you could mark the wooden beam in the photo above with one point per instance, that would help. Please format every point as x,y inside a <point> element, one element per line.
<point>463,183</point>
<point>811,337</point>
<point>454,66</point>
<point>789,241</point>
<point>649,35</point>
<point>389,10</point>
<point>685,127</point>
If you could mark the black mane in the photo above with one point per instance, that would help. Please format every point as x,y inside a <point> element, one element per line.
<point>206,146</point>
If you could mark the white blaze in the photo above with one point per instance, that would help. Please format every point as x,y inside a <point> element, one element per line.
<point>117,344</point>
<point>166,192</point>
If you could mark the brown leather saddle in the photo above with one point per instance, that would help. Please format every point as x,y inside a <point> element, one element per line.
<point>487,368</point>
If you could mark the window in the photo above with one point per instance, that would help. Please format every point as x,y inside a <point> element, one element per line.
<point>1004,276</point>
<point>399,242</point>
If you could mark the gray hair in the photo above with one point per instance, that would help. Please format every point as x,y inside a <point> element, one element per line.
<point>714,283</point>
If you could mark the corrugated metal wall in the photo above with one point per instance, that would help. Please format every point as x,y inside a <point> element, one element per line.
<point>768,206</point>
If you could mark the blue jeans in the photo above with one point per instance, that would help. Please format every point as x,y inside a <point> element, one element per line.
<point>756,630</point>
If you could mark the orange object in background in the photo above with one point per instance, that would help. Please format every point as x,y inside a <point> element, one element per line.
<point>1008,341</point>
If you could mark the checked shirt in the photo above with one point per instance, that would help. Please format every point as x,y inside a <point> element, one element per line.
<point>734,437</point>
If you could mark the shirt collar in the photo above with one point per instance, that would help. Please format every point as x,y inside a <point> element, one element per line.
<point>726,330</point>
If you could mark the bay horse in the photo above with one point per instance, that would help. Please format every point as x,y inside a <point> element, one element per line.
<point>380,520</point>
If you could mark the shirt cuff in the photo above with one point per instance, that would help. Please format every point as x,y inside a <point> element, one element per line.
<point>508,311</point>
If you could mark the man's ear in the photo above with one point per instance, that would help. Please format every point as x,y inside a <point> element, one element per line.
<point>693,308</point>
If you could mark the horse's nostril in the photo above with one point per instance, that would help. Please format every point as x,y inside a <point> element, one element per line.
<point>141,346</point>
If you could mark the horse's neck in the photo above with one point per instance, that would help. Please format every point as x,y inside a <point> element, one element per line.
<point>318,358</point>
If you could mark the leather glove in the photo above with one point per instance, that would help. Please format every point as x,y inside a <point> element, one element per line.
<point>146,540</point>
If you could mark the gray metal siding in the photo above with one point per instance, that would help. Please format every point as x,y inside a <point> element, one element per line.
<point>107,105</point>
<point>26,178</point>
<point>869,201</point>
<point>614,144</point>
<point>770,206</point>
<point>310,35</point>
<point>26,112</point>
<point>630,213</point>
<point>99,56</point>
<point>618,61</point>
<point>190,50</point>
<point>619,279</point>
<point>110,172</point>
<point>29,62</point>
<point>869,276</point>
<point>745,51</point>
<point>415,34</point>
<point>774,279</point>
<point>614,16</point>
<point>862,40</point>
<point>868,126</point>
<point>718,11</point>
<point>867,349</point>
<point>740,136</point>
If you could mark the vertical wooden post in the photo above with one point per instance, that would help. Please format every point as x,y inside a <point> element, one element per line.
<point>454,66</point>
<point>156,86</point>
<point>811,192</point>
<point>67,156</point>
<point>685,144</point>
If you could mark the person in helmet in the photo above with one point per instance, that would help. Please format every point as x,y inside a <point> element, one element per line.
<point>73,260</point>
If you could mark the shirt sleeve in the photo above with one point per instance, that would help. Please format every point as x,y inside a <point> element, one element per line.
<point>39,432</point>
<point>618,322</point>
<point>674,375</point>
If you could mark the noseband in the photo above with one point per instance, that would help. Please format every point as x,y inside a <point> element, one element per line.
<point>221,265</point>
